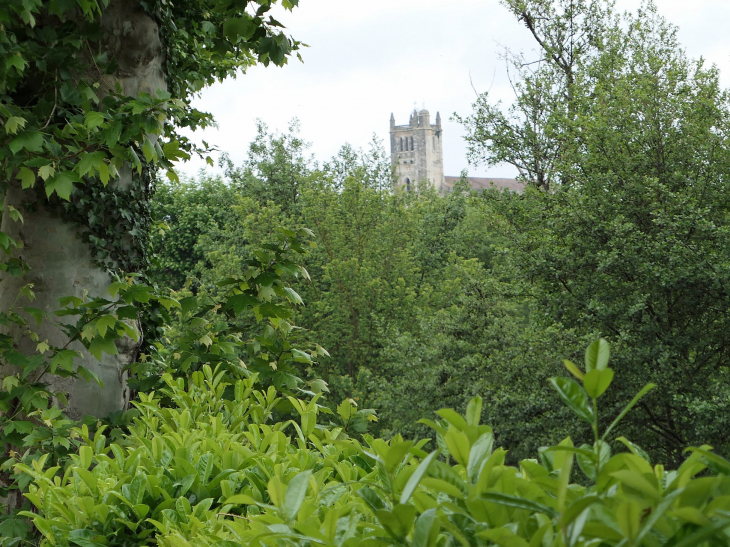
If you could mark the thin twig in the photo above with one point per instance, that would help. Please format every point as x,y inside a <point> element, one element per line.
<point>234,516</point>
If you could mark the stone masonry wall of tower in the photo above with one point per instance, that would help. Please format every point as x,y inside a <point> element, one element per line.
<point>416,151</point>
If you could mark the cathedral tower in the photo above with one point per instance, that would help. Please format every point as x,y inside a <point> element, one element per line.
<point>416,151</point>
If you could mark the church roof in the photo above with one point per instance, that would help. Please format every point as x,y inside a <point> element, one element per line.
<point>477,183</point>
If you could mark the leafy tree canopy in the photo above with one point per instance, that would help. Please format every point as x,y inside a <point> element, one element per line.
<point>625,140</point>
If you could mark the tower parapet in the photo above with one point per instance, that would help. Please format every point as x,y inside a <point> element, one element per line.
<point>416,151</point>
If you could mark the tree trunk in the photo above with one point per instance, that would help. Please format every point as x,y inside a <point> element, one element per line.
<point>61,262</point>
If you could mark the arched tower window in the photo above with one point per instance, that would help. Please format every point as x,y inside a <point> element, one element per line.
<point>408,185</point>
<point>412,143</point>
<point>401,145</point>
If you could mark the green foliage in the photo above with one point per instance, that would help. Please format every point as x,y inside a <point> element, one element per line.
<point>630,240</point>
<point>197,334</point>
<point>212,471</point>
<point>32,422</point>
<point>80,138</point>
<point>208,328</point>
<point>364,268</point>
<point>274,170</point>
<point>189,210</point>
<point>407,292</point>
<point>75,128</point>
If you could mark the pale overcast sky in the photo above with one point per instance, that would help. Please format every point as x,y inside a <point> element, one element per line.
<point>368,59</point>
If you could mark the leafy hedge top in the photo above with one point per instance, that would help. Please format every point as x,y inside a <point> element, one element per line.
<point>210,471</point>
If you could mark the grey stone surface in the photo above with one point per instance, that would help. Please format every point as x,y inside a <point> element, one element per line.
<point>478,183</point>
<point>416,151</point>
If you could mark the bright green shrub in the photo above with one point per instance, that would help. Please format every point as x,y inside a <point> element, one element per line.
<point>179,467</point>
<point>211,471</point>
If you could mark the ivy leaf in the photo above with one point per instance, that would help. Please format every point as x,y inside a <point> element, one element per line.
<point>93,119</point>
<point>102,345</point>
<point>9,382</point>
<point>27,177</point>
<point>36,314</point>
<point>15,214</point>
<point>32,141</point>
<point>111,133</point>
<point>208,27</point>
<point>236,28</point>
<point>135,160</point>
<point>173,152</point>
<point>149,151</point>
<point>89,376</point>
<point>239,302</point>
<point>16,61</point>
<point>13,124</point>
<point>46,172</point>
<point>104,323</point>
<point>14,527</point>
<point>62,184</point>
<point>64,359</point>
<point>169,303</point>
<point>103,169</point>
<point>139,293</point>
<point>90,162</point>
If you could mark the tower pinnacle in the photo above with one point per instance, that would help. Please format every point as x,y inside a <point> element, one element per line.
<point>416,151</point>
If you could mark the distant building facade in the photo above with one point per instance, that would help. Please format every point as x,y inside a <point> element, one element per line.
<point>416,151</point>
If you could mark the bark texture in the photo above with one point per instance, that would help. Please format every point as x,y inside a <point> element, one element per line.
<point>61,263</point>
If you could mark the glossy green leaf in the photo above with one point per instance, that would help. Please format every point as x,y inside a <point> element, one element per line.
<point>596,382</point>
<point>480,450</point>
<point>424,533</point>
<point>518,502</point>
<point>399,521</point>
<point>574,397</point>
<point>474,411</point>
<point>646,389</point>
<point>395,454</point>
<point>597,355</point>
<point>296,490</point>
<point>458,445</point>
<point>573,369</point>
<point>453,418</point>
<point>503,537</point>
<point>415,478</point>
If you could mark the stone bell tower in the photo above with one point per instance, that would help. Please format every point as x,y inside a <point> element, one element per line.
<point>416,151</point>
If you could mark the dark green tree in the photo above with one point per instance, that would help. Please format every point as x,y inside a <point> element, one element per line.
<point>629,239</point>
